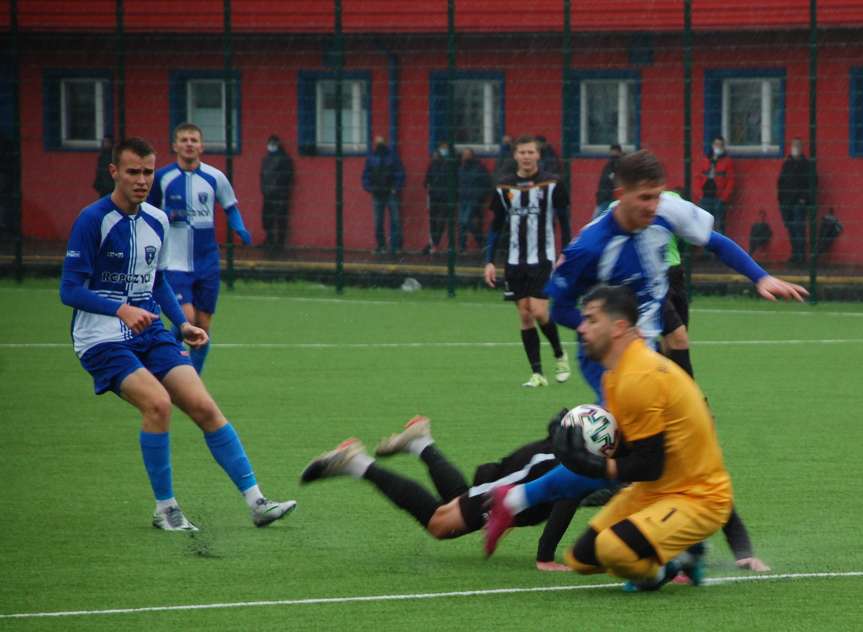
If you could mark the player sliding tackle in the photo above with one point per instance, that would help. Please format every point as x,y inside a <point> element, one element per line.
<point>459,508</point>
<point>680,493</point>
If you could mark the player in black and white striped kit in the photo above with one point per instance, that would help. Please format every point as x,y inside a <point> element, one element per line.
<point>528,203</point>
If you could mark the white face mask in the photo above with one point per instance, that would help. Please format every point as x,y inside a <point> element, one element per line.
<point>272,147</point>
<point>718,150</point>
<point>444,152</point>
<point>795,151</point>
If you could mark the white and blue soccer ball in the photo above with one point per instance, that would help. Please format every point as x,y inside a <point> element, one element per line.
<point>598,427</point>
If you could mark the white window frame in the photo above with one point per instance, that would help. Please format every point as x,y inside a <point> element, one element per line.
<point>490,141</point>
<point>624,86</point>
<point>768,145</point>
<point>210,142</point>
<point>352,91</point>
<point>100,87</point>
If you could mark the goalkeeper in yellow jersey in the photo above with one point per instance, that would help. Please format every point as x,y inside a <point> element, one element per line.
<point>681,492</point>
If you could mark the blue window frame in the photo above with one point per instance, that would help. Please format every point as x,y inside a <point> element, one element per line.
<point>198,96</point>
<point>856,112</point>
<point>316,99</point>
<point>78,108</point>
<point>604,109</point>
<point>747,108</point>
<point>479,107</point>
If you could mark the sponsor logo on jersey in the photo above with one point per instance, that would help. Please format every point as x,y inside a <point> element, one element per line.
<point>74,254</point>
<point>126,277</point>
<point>115,255</point>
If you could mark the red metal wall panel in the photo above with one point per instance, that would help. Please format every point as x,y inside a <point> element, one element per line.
<point>66,15</point>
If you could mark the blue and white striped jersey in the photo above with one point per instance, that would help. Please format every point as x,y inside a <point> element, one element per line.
<point>119,254</point>
<point>605,253</point>
<point>189,198</point>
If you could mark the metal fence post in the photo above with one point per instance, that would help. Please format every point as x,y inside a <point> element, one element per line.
<point>450,140</point>
<point>813,151</point>
<point>228,49</point>
<point>340,195</point>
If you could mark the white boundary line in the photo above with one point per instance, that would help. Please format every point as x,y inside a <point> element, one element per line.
<point>432,343</point>
<point>408,597</point>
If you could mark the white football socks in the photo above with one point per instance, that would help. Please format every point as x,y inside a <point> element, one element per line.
<point>252,496</point>
<point>163,505</point>
<point>358,465</point>
<point>416,446</point>
<point>516,500</point>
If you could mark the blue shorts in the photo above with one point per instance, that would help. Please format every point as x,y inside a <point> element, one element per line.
<point>201,289</point>
<point>156,350</point>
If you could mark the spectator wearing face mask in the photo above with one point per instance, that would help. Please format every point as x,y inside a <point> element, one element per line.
<point>437,189</point>
<point>277,178</point>
<point>715,180</point>
<point>384,178</point>
<point>794,199</point>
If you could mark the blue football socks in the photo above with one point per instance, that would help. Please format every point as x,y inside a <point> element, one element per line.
<point>198,355</point>
<point>156,450</point>
<point>228,451</point>
<point>561,484</point>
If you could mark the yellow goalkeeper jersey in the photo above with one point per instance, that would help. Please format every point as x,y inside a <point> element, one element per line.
<point>649,394</point>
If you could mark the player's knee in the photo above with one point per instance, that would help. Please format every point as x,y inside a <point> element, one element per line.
<point>445,523</point>
<point>157,411</point>
<point>582,556</point>
<point>624,551</point>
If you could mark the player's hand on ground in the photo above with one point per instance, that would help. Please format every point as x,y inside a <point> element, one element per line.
<point>554,567</point>
<point>135,318</point>
<point>752,564</point>
<point>771,288</point>
<point>490,274</point>
<point>194,336</point>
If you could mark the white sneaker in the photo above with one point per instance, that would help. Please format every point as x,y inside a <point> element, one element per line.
<point>172,519</point>
<point>561,369</point>
<point>415,428</point>
<point>536,380</point>
<point>267,511</point>
<point>333,463</point>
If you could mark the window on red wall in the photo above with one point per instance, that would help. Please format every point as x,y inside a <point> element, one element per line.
<point>318,112</point>
<point>478,110</point>
<point>78,108</point>
<point>856,111</point>
<point>200,97</point>
<point>604,108</point>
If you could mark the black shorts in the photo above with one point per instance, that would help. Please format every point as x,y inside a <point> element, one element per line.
<point>526,281</point>
<point>675,309</point>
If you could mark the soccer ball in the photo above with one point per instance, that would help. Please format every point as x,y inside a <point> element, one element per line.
<point>598,427</point>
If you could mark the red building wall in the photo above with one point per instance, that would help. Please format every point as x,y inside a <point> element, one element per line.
<point>532,67</point>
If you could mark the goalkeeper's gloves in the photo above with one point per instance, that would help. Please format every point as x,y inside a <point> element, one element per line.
<point>571,451</point>
<point>554,422</point>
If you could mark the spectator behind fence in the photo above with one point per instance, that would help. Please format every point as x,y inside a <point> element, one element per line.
<point>548,160</point>
<point>605,188</point>
<point>384,178</point>
<point>793,192</point>
<point>474,186</point>
<point>104,183</point>
<point>505,164</point>
<point>715,181</point>
<point>437,194</point>
<point>277,178</point>
<point>760,233</point>
<point>829,230</point>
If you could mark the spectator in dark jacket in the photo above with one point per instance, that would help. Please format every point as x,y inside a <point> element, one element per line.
<point>437,187</point>
<point>104,183</point>
<point>605,188</point>
<point>505,164</point>
<point>384,178</point>
<point>715,180</point>
<point>277,179</point>
<point>474,186</point>
<point>548,160</point>
<point>794,198</point>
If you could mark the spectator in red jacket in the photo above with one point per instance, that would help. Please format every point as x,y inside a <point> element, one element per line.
<point>715,180</point>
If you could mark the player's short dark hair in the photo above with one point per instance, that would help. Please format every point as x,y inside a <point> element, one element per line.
<point>187,127</point>
<point>618,302</point>
<point>137,146</point>
<point>524,139</point>
<point>639,166</point>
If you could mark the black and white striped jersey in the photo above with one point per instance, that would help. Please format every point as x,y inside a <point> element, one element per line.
<point>528,207</point>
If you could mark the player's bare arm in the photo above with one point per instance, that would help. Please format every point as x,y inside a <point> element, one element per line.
<point>135,318</point>
<point>193,336</point>
<point>770,288</point>
<point>490,274</point>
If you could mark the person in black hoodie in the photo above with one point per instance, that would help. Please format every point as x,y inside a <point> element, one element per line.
<point>384,178</point>
<point>605,188</point>
<point>793,190</point>
<point>474,187</point>
<point>277,177</point>
<point>437,187</point>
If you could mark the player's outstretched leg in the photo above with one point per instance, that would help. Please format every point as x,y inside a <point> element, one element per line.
<point>416,439</point>
<point>228,451</point>
<point>500,518</point>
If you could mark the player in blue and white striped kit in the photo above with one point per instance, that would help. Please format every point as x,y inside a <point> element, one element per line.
<point>187,191</point>
<point>113,277</point>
